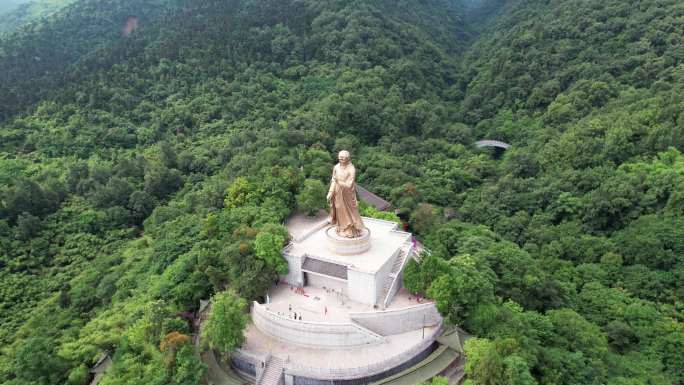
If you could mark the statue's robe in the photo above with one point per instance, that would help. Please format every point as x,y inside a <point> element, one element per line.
<point>344,209</point>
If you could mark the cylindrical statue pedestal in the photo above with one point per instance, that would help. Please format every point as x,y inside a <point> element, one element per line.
<point>347,246</point>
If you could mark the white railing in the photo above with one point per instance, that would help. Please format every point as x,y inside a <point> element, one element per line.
<point>362,371</point>
<point>395,282</point>
<point>319,333</point>
<point>403,310</point>
<point>418,256</point>
<point>393,223</point>
<point>312,230</point>
<point>396,321</point>
<point>401,232</point>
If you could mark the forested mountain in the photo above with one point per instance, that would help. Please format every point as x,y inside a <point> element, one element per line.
<point>151,151</point>
<point>17,13</point>
<point>8,5</point>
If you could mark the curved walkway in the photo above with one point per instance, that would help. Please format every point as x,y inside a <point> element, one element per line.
<point>447,360</point>
<point>491,143</point>
<point>433,365</point>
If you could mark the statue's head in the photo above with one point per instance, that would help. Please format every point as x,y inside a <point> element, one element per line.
<point>344,157</point>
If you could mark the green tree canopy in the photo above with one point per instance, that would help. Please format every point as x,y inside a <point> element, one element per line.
<point>223,329</point>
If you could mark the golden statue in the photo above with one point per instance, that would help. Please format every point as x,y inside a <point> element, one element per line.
<point>344,209</point>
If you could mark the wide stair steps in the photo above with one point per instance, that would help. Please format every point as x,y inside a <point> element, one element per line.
<point>396,266</point>
<point>273,375</point>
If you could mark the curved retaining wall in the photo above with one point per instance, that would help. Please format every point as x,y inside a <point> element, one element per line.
<point>389,322</point>
<point>306,375</point>
<point>315,334</point>
<point>249,364</point>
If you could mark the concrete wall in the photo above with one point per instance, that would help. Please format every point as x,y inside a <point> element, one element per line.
<point>307,375</point>
<point>326,282</point>
<point>382,275</point>
<point>362,287</point>
<point>294,275</point>
<point>389,322</point>
<point>249,364</point>
<point>314,334</point>
<point>392,224</point>
<point>394,289</point>
<point>367,378</point>
<point>407,249</point>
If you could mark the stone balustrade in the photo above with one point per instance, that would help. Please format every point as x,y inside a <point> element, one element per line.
<point>393,362</point>
<point>315,334</point>
<point>389,322</point>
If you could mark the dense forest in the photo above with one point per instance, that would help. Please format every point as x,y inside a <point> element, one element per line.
<point>150,150</point>
<point>9,5</point>
<point>15,14</point>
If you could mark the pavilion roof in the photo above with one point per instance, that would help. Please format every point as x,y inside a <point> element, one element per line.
<point>372,199</point>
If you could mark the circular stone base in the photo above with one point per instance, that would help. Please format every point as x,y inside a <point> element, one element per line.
<point>347,246</point>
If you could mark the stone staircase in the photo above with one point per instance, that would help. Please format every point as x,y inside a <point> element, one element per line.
<point>399,261</point>
<point>273,374</point>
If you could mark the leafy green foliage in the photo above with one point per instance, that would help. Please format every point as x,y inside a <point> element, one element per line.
<point>439,380</point>
<point>269,244</point>
<point>141,174</point>
<point>464,286</point>
<point>371,212</point>
<point>312,197</point>
<point>17,13</point>
<point>224,328</point>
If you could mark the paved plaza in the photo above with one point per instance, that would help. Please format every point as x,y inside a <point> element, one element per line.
<point>384,242</point>
<point>311,304</point>
<point>299,224</point>
<point>258,342</point>
<point>327,318</point>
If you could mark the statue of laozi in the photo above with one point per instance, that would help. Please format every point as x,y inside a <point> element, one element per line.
<point>344,208</point>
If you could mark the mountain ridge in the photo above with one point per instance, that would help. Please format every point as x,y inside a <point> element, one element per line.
<point>142,174</point>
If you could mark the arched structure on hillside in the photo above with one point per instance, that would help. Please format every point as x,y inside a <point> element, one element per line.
<point>492,143</point>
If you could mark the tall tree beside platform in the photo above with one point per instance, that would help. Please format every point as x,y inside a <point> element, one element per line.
<point>227,320</point>
<point>312,197</point>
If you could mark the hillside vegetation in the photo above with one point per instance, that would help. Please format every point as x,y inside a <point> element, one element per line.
<point>142,173</point>
<point>17,13</point>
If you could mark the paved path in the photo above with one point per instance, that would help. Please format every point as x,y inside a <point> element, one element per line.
<point>430,367</point>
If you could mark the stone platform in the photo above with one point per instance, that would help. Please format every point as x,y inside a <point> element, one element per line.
<point>361,269</point>
<point>347,246</point>
<point>340,315</point>
<point>347,363</point>
<point>385,240</point>
<point>337,338</point>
